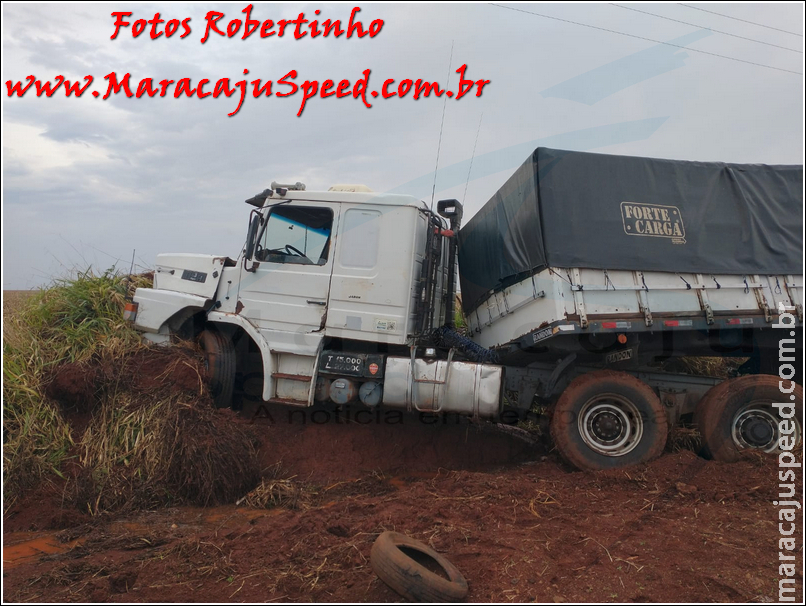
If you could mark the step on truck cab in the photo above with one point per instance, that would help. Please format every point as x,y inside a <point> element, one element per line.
<point>587,283</point>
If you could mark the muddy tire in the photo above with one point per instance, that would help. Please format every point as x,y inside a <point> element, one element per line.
<point>608,419</point>
<point>407,566</point>
<point>219,355</point>
<point>737,416</point>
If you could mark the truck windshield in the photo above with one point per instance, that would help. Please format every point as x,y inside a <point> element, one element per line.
<point>296,234</point>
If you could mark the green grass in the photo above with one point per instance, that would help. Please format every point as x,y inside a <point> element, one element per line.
<point>74,319</point>
<point>149,434</point>
<point>459,320</point>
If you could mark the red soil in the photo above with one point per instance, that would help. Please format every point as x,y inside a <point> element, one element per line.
<point>678,529</point>
<point>518,523</point>
<point>320,445</point>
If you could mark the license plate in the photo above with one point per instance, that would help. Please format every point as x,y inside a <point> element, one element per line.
<point>342,363</point>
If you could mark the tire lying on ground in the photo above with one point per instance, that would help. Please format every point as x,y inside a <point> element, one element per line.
<point>737,416</point>
<point>607,419</point>
<point>415,571</point>
<point>219,361</point>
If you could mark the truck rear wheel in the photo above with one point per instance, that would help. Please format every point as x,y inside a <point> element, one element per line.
<point>219,361</point>
<point>738,415</point>
<point>607,419</point>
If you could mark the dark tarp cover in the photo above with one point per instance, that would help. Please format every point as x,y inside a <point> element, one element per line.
<point>574,209</point>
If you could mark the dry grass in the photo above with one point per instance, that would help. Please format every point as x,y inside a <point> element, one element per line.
<point>704,366</point>
<point>685,438</point>
<point>13,302</point>
<point>161,441</point>
<point>277,491</point>
<point>272,493</point>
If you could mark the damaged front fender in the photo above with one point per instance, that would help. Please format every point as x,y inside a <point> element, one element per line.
<point>157,306</point>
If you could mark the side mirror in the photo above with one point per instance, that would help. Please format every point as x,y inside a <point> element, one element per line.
<point>251,236</point>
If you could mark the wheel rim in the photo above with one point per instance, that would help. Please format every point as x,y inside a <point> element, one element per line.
<point>756,426</point>
<point>611,425</point>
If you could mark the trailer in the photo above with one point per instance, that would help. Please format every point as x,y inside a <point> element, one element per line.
<point>585,272</point>
<point>577,278</point>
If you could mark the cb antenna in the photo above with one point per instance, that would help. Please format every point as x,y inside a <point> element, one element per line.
<point>470,168</point>
<point>441,124</point>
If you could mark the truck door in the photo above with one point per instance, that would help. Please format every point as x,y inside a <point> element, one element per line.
<point>289,289</point>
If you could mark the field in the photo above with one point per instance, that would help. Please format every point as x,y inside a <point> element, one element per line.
<point>518,523</point>
<point>14,300</point>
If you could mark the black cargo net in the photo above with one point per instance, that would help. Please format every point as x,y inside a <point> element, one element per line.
<point>447,337</point>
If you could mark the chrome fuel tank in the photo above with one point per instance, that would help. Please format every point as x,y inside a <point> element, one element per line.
<point>444,386</point>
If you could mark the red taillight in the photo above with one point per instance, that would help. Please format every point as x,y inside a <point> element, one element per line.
<point>130,312</point>
<point>678,323</point>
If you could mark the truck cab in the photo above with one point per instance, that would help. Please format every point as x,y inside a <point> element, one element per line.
<point>328,287</point>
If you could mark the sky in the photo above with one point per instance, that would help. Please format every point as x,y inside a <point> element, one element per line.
<point>89,182</point>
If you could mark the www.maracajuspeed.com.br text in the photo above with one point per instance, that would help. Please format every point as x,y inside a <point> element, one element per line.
<point>283,87</point>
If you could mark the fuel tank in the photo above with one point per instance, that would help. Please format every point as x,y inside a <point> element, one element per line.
<point>435,386</point>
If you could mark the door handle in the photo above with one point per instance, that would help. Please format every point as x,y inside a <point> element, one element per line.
<point>310,302</point>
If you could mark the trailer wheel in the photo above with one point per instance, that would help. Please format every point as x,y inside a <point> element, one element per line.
<point>738,415</point>
<point>607,419</point>
<point>407,566</point>
<point>219,361</point>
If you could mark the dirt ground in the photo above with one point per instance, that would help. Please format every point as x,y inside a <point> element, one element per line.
<point>517,522</point>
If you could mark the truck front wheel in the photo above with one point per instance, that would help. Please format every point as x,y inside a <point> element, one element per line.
<point>608,419</point>
<point>219,361</point>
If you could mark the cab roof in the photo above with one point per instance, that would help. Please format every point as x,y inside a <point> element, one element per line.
<point>344,196</point>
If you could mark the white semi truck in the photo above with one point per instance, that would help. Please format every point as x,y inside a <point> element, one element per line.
<point>578,277</point>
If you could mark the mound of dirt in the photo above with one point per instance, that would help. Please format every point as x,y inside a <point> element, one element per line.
<point>147,434</point>
<point>80,386</point>
<point>74,386</point>
<point>155,369</point>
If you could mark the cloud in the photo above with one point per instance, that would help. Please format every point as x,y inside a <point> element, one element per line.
<point>164,174</point>
<point>611,78</point>
<point>511,157</point>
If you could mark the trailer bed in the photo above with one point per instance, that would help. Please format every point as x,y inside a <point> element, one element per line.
<point>586,244</point>
<point>559,301</point>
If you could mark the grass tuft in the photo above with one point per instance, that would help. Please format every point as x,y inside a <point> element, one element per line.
<point>272,492</point>
<point>73,319</point>
<point>705,366</point>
